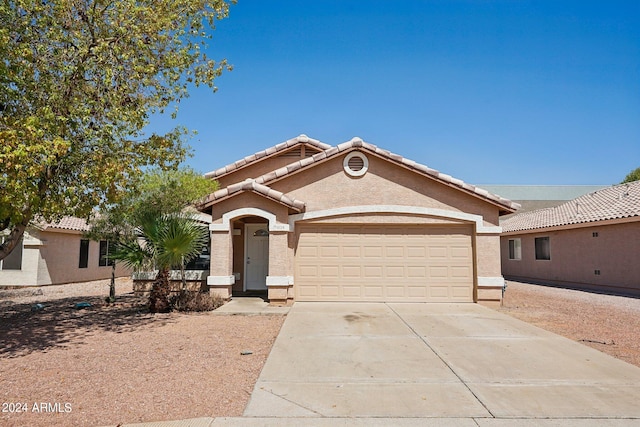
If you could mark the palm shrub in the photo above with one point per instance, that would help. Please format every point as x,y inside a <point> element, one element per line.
<point>162,241</point>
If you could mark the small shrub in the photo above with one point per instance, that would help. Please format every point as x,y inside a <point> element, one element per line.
<point>194,301</point>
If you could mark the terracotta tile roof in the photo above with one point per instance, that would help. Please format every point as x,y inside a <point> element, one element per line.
<point>66,223</point>
<point>617,202</point>
<point>301,139</point>
<point>357,143</point>
<point>252,185</point>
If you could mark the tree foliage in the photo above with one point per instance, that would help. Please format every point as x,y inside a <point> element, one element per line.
<point>79,80</point>
<point>634,175</point>
<point>152,229</point>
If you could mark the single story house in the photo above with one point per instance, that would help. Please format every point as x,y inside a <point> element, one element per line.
<point>57,253</point>
<point>591,242</point>
<point>307,221</point>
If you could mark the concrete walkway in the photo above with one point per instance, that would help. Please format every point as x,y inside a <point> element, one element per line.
<point>249,306</point>
<point>346,364</point>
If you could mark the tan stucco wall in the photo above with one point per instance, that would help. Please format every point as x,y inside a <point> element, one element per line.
<point>328,186</point>
<point>385,218</point>
<point>249,200</point>
<point>487,252</point>
<point>60,256</point>
<point>576,254</point>
<point>52,258</point>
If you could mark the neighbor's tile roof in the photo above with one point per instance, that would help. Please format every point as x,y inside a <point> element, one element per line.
<point>410,164</point>
<point>66,223</point>
<point>301,139</point>
<point>252,185</point>
<point>617,202</point>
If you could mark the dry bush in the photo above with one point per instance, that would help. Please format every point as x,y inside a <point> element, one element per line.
<point>195,301</point>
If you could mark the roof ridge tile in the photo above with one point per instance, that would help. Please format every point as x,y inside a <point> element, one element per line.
<point>301,139</point>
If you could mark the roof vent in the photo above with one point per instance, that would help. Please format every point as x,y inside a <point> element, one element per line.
<point>356,164</point>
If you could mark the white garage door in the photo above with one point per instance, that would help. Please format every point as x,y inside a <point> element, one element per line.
<point>384,263</point>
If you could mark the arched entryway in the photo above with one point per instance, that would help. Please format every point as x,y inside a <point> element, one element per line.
<point>250,255</point>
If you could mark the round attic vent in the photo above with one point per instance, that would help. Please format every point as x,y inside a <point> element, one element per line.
<point>356,164</point>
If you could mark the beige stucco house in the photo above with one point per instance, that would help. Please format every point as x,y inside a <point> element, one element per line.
<point>56,253</point>
<point>591,242</point>
<point>307,221</point>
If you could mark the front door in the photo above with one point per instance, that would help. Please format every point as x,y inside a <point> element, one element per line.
<point>256,263</point>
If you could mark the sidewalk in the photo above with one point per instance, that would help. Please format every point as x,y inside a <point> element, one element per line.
<point>389,422</point>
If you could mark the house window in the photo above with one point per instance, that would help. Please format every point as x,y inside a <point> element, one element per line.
<point>542,248</point>
<point>202,261</point>
<point>104,254</point>
<point>84,254</point>
<point>515,249</point>
<point>13,261</point>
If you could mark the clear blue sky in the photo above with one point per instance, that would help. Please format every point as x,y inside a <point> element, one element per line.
<point>491,92</point>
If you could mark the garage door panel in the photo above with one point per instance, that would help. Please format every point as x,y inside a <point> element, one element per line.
<point>308,252</point>
<point>330,251</point>
<point>438,252</point>
<point>416,252</point>
<point>395,272</point>
<point>439,272</point>
<point>330,271</point>
<point>351,272</point>
<point>373,252</point>
<point>384,263</point>
<point>351,252</point>
<point>373,291</point>
<point>394,252</point>
<point>460,292</point>
<point>462,252</point>
<point>329,291</point>
<point>308,271</point>
<point>461,272</point>
<point>416,272</point>
<point>373,272</point>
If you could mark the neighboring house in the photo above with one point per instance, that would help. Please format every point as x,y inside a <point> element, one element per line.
<point>51,254</point>
<point>591,242</point>
<point>532,197</point>
<point>311,222</point>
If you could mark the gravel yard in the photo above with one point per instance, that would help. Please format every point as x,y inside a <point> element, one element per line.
<point>607,323</point>
<point>119,364</point>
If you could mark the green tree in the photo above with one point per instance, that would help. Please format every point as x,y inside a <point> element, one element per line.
<point>634,175</point>
<point>114,227</point>
<point>79,80</point>
<point>152,228</point>
<point>164,242</point>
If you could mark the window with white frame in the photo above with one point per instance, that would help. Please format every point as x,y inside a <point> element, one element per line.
<point>13,261</point>
<point>515,249</point>
<point>104,259</point>
<point>543,250</point>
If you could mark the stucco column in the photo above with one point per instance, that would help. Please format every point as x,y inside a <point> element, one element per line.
<point>221,279</point>
<point>278,280</point>
<point>490,280</point>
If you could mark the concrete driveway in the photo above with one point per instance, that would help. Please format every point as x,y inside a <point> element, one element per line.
<point>436,361</point>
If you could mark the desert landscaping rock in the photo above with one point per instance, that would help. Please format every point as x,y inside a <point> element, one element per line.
<point>607,323</point>
<point>117,363</point>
